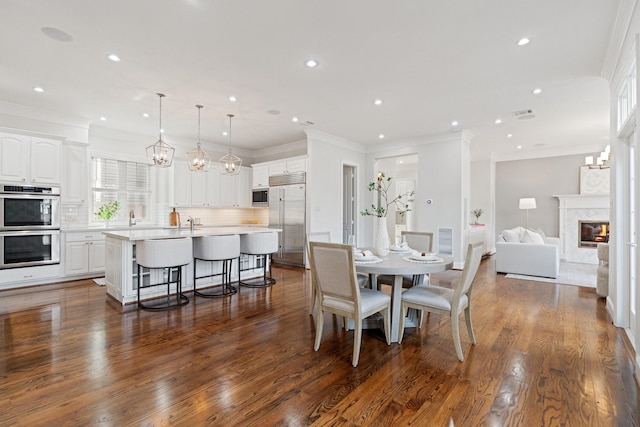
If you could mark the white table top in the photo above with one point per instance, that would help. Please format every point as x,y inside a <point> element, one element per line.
<point>133,234</point>
<point>394,264</point>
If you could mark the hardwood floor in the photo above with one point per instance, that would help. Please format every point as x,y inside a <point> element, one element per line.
<point>546,355</point>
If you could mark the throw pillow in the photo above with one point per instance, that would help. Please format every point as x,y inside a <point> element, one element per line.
<point>540,232</point>
<point>532,237</point>
<point>511,236</point>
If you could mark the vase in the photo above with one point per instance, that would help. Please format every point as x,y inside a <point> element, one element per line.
<point>106,223</point>
<point>381,242</point>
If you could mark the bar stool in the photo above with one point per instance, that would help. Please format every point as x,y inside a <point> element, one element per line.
<point>166,254</point>
<point>261,245</point>
<point>212,249</point>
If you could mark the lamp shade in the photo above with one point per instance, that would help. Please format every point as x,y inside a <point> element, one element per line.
<point>528,203</point>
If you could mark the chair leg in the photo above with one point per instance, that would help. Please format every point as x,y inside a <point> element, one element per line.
<point>319,323</point>
<point>467,315</point>
<point>455,331</point>
<point>313,298</point>
<point>386,315</point>
<point>357,340</point>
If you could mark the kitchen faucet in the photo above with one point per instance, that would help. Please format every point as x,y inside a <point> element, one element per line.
<point>132,218</point>
<point>190,221</point>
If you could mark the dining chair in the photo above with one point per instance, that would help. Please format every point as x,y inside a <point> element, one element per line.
<point>418,241</point>
<point>325,237</point>
<point>334,275</point>
<point>436,299</point>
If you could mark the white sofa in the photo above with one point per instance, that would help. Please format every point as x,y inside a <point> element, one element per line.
<point>522,251</point>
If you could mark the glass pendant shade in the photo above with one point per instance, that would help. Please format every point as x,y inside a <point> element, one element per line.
<point>198,160</point>
<point>160,154</point>
<point>229,163</point>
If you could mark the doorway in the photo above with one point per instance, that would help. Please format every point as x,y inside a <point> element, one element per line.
<point>349,205</point>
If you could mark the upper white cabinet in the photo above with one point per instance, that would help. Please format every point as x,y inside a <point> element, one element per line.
<point>195,188</point>
<point>75,174</point>
<point>30,160</point>
<point>260,176</point>
<point>235,190</point>
<point>288,166</point>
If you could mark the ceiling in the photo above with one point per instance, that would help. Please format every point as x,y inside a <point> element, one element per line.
<point>430,62</point>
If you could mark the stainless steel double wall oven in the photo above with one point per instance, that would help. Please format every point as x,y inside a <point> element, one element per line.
<point>29,225</point>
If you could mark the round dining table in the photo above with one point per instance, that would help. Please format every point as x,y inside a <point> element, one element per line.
<point>399,265</point>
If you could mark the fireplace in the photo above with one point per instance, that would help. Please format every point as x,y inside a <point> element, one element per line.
<point>592,232</point>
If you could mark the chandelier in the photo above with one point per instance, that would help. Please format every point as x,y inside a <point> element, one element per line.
<point>160,154</point>
<point>198,160</point>
<point>230,164</point>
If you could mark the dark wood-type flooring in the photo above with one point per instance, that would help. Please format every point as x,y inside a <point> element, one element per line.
<point>547,355</point>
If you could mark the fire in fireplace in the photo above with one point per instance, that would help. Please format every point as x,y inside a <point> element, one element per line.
<point>593,232</point>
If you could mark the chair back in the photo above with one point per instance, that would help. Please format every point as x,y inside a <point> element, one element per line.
<point>471,265</point>
<point>334,272</point>
<point>419,241</point>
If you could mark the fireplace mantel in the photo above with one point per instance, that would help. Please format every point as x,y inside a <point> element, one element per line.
<point>578,201</point>
<point>574,208</point>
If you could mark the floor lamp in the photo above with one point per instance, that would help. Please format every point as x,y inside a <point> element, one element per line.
<point>528,203</point>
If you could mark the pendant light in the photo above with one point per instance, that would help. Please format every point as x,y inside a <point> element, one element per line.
<point>160,154</point>
<point>230,164</point>
<point>198,160</point>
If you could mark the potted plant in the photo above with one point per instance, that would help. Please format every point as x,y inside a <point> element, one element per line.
<point>108,211</point>
<point>381,186</point>
<point>477,213</point>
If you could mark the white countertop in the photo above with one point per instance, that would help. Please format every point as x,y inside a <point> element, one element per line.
<point>175,233</point>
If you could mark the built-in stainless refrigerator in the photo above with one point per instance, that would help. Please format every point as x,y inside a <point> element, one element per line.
<point>287,212</point>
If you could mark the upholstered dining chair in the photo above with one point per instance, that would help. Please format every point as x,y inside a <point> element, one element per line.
<point>325,236</point>
<point>451,302</point>
<point>334,275</point>
<point>419,241</point>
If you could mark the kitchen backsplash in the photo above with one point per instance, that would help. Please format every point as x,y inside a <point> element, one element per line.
<point>221,216</point>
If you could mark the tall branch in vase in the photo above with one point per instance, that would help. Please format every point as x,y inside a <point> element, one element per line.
<point>381,186</point>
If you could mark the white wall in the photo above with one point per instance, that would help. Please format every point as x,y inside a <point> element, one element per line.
<point>443,176</point>
<point>327,155</point>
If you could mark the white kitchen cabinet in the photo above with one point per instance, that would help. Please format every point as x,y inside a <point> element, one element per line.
<point>287,166</point>
<point>195,188</point>
<point>75,181</point>
<point>260,176</point>
<point>84,253</point>
<point>235,190</point>
<point>29,160</point>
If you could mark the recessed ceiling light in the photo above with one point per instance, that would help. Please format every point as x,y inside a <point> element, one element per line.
<point>509,135</point>
<point>378,102</point>
<point>145,115</point>
<point>536,91</point>
<point>113,57</point>
<point>38,89</point>
<point>311,63</point>
<point>454,123</point>
<point>233,98</point>
<point>523,41</point>
<point>498,121</point>
<point>294,119</point>
<point>103,119</point>
<point>381,136</point>
<point>224,132</point>
<point>519,147</point>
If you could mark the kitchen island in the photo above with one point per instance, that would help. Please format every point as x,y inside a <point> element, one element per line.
<point>121,269</point>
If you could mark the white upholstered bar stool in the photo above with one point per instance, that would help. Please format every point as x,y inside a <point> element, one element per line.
<point>211,249</point>
<point>262,246</point>
<point>166,254</point>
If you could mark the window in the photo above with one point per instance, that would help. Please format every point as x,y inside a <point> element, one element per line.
<point>627,96</point>
<point>126,182</point>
